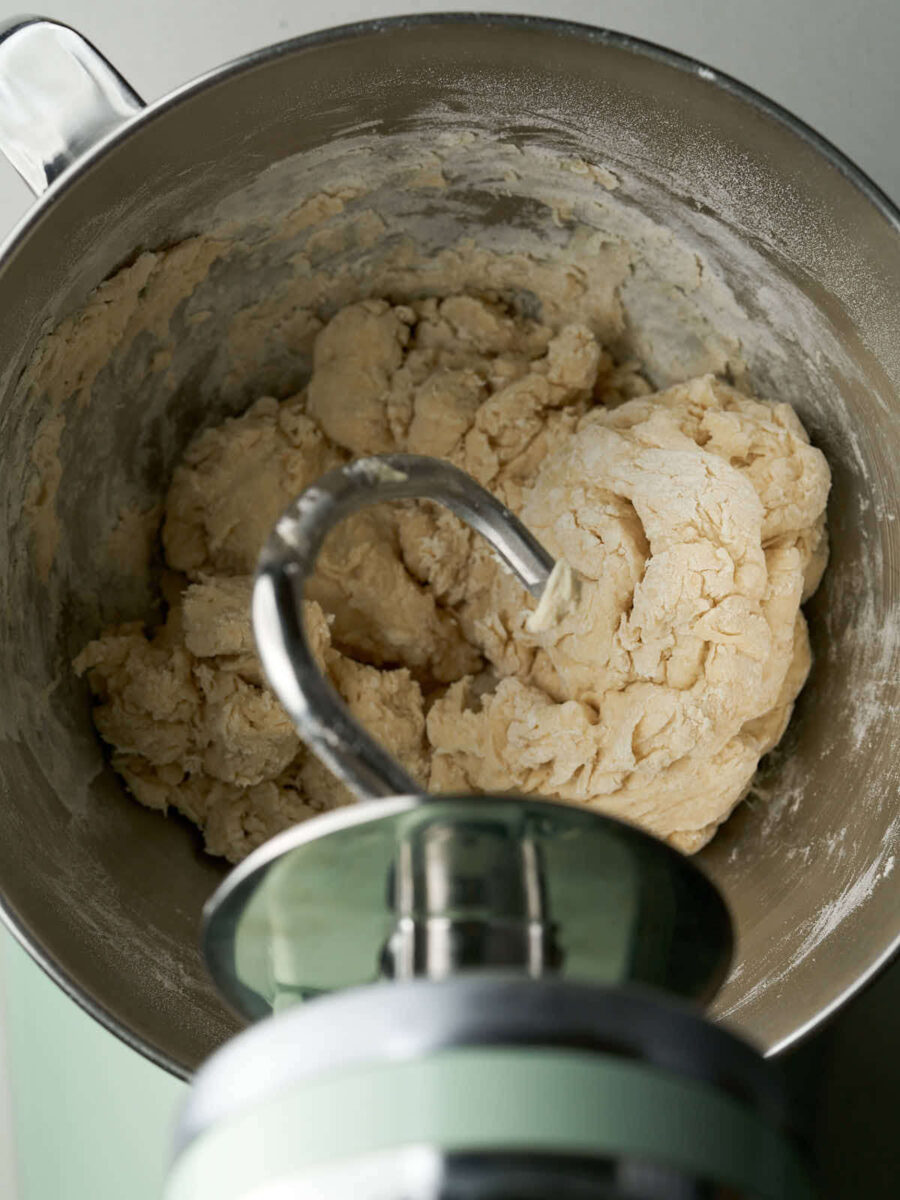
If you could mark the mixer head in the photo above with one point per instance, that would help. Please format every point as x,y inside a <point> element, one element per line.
<point>532,1041</point>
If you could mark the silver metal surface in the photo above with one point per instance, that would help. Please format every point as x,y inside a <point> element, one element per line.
<point>58,98</point>
<point>288,559</point>
<point>107,896</point>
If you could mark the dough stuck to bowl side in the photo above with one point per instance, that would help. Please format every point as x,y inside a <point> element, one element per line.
<point>693,517</point>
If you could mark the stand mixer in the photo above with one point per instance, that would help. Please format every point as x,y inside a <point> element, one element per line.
<point>463,997</point>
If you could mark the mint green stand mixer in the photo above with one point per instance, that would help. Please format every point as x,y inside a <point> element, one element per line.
<point>463,997</point>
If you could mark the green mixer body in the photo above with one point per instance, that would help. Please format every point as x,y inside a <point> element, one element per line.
<point>477,998</point>
<point>491,1088</point>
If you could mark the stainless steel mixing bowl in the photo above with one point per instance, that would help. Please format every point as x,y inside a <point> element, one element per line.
<point>107,895</point>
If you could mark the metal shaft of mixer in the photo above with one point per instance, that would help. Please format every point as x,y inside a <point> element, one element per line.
<point>469,894</point>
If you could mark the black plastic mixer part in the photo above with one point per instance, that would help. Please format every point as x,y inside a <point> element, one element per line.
<point>564,1177</point>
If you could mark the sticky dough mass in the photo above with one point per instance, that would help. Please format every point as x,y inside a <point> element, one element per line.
<point>693,519</point>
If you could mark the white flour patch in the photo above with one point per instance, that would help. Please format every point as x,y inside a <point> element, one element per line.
<point>833,914</point>
<point>836,911</point>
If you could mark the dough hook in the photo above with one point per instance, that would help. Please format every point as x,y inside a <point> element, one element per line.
<point>288,560</point>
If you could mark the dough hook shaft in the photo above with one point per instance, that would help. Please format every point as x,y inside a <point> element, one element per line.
<point>288,560</point>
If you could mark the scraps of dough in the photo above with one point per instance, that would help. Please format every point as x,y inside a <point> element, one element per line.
<point>693,517</point>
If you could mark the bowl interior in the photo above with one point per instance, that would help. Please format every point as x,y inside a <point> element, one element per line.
<point>704,233</point>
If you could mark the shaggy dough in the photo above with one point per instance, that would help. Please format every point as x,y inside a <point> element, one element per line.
<point>692,519</point>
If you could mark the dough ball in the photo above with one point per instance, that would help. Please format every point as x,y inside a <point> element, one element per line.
<point>692,521</point>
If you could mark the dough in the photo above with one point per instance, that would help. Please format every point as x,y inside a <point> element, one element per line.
<point>691,522</point>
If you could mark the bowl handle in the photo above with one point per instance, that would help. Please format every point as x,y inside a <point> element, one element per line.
<point>58,98</point>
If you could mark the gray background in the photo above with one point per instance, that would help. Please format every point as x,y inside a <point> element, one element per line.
<point>833,64</point>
